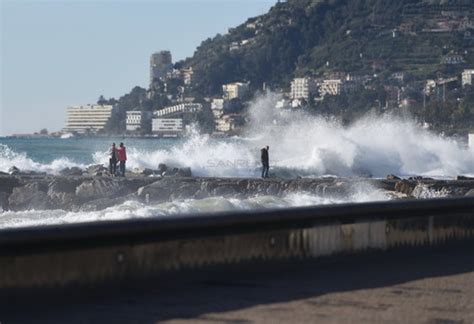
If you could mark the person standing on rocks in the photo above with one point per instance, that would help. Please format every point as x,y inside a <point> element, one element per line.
<point>122,157</point>
<point>265,161</point>
<point>113,159</point>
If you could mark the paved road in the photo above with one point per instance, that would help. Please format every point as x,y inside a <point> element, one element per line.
<point>435,287</point>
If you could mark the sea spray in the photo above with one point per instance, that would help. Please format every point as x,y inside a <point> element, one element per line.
<point>313,146</point>
<point>373,145</point>
<point>300,145</point>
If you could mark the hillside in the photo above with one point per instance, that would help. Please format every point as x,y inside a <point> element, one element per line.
<point>317,37</point>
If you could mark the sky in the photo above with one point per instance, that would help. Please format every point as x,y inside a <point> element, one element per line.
<point>56,54</point>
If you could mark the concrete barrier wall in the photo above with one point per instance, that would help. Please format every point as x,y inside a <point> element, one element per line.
<point>108,251</point>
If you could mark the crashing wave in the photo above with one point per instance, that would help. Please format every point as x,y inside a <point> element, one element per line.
<point>300,145</point>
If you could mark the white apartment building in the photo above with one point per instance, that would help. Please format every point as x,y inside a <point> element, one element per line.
<point>134,119</point>
<point>87,118</point>
<point>235,90</point>
<point>167,126</point>
<point>181,108</point>
<point>467,77</point>
<point>303,88</point>
<point>330,87</point>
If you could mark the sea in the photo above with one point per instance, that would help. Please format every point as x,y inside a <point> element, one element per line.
<point>300,146</point>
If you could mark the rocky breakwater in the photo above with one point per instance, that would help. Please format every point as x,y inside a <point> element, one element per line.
<point>95,190</point>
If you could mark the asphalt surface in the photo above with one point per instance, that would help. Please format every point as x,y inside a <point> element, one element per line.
<point>425,287</point>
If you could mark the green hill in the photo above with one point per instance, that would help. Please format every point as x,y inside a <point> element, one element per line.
<point>315,37</point>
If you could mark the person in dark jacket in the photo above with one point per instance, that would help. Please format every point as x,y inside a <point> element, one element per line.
<point>113,158</point>
<point>122,157</point>
<point>265,161</point>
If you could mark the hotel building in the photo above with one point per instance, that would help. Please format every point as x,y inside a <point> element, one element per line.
<point>87,118</point>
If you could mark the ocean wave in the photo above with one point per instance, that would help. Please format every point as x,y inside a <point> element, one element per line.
<point>10,158</point>
<point>300,145</point>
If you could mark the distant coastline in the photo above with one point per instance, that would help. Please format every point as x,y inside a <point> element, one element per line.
<point>82,136</point>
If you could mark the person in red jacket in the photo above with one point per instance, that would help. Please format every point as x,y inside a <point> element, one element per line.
<point>122,157</point>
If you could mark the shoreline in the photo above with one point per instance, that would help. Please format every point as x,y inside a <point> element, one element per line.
<point>96,190</point>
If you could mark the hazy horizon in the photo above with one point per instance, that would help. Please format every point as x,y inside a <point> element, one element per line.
<point>61,53</point>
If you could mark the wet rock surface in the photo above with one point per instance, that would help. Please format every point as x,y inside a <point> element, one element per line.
<point>95,189</point>
<point>74,171</point>
<point>3,200</point>
<point>30,196</point>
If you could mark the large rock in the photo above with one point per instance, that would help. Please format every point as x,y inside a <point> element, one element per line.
<point>62,200</point>
<point>98,170</point>
<point>405,186</point>
<point>13,170</point>
<point>393,177</point>
<point>60,184</point>
<point>162,168</point>
<point>157,191</point>
<point>30,196</point>
<point>186,191</point>
<point>98,188</point>
<point>61,192</point>
<point>167,188</point>
<point>7,183</point>
<point>74,171</point>
<point>184,172</point>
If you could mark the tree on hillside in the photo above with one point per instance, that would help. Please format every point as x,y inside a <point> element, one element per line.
<point>101,100</point>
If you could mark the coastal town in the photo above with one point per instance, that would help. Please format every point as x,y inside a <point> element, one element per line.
<point>432,84</point>
<point>227,110</point>
<point>414,60</point>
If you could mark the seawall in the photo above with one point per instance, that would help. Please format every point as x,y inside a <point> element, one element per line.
<point>107,252</point>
